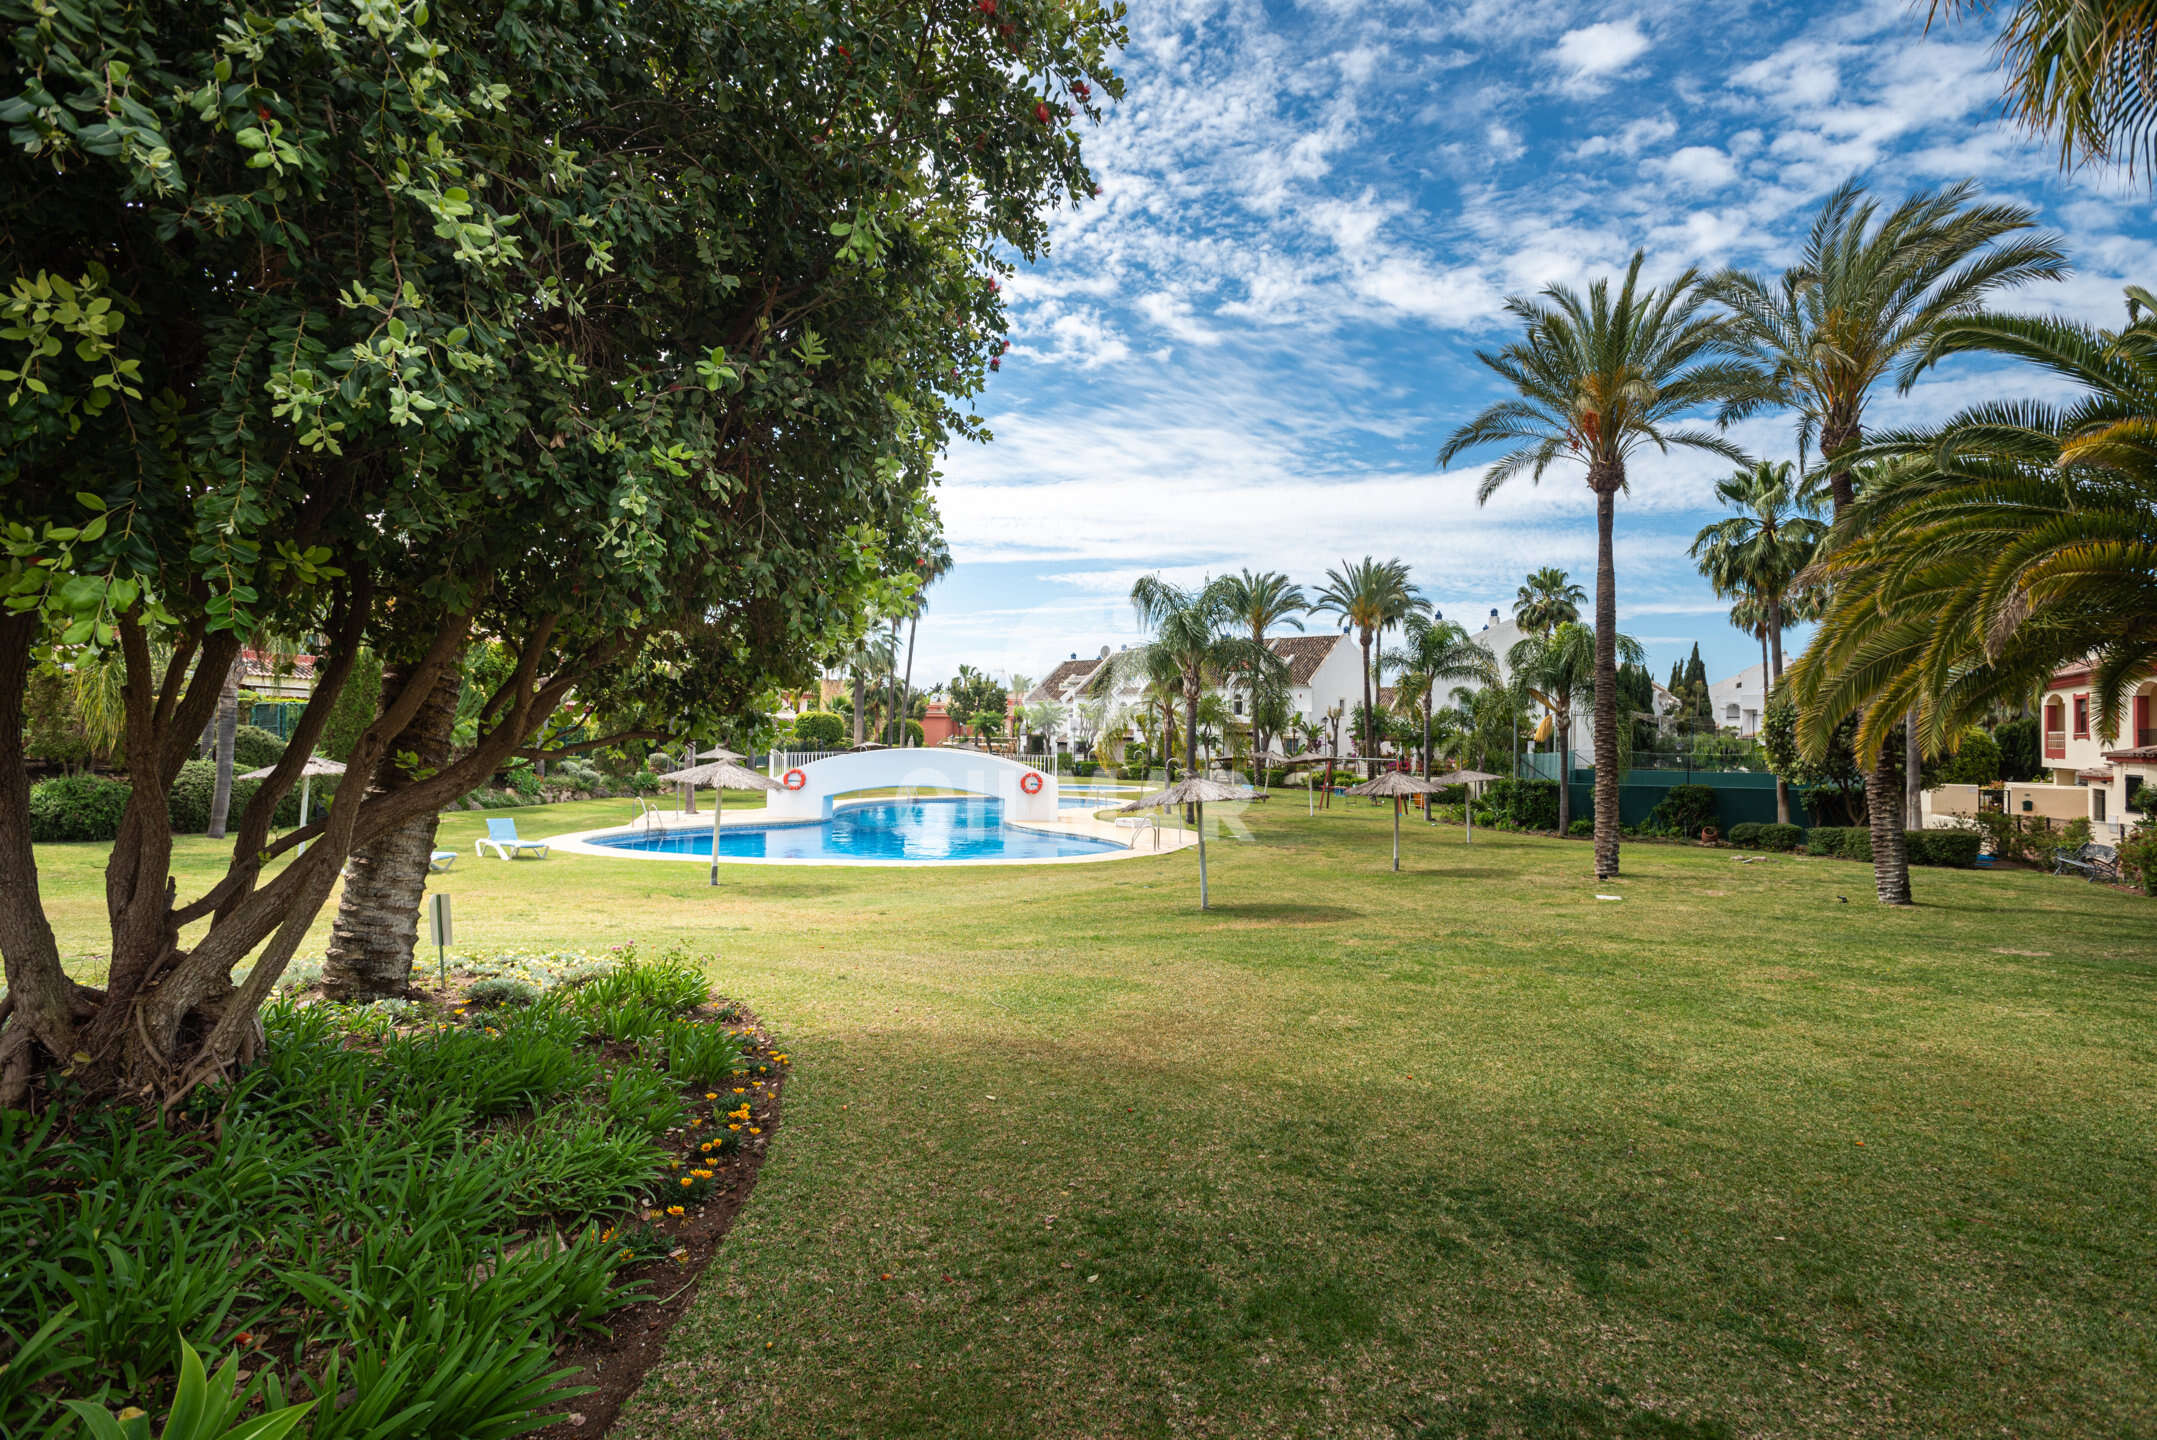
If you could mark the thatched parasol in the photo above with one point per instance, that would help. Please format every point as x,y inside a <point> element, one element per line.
<point>720,752</point>
<point>720,775</point>
<point>1467,777</point>
<point>870,745</point>
<point>316,765</point>
<point>1394,785</point>
<point>1194,790</point>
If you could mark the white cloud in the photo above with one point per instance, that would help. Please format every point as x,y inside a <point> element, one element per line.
<point>1699,167</point>
<point>1595,52</point>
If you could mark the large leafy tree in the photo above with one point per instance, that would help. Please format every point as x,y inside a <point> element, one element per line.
<point>1984,554</point>
<point>400,327</point>
<point>1861,306</point>
<point>1597,378</point>
<point>1372,596</point>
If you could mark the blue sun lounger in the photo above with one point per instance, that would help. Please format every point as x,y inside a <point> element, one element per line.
<point>502,837</point>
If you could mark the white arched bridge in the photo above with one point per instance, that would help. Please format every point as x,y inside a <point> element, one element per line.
<point>808,790</point>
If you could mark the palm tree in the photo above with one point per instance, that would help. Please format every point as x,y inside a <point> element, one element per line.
<point>1756,556</point>
<point>1438,653</point>
<point>1193,646</point>
<point>1371,595</point>
<point>1866,298</point>
<point>932,567</point>
<point>1548,599</point>
<point>1261,601</point>
<point>2084,72</point>
<point>1554,670</point>
<point>1595,379</point>
<point>1985,554</point>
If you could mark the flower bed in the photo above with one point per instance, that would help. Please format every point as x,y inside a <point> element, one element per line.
<point>420,1218</point>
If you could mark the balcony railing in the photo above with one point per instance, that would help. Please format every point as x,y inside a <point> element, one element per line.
<point>2056,744</point>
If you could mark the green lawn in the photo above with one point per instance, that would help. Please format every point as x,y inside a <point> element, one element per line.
<point>1458,1152</point>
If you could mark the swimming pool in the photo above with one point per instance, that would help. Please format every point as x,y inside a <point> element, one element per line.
<point>958,828</point>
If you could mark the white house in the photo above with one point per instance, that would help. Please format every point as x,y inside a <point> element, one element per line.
<point>1737,702</point>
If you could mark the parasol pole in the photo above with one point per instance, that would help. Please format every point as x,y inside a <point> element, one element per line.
<point>307,785</point>
<point>1396,835</point>
<point>718,805</point>
<point>1201,808</point>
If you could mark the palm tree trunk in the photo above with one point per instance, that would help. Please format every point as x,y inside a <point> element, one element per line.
<point>1369,718</point>
<point>860,699</point>
<point>1606,672</point>
<point>906,686</point>
<point>228,730</point>
<point>370,950</point>
<point>1775,678</point>
<point>1883,808</point>
<point>1426,758</point>
<point>1913,774</point>
<point>1565,771</point>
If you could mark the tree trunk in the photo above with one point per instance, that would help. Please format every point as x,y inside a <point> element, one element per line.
<point>377,925</point>
<point>906,686</point>
<point>1606,482</point>
<point>1370,716</point>
<point>1883,816</point>
<point>1775,678</point>
<point>860,698</point>
<point>1565,772</point>
<point>40,995</point>
<point>1913,774</point>
<point>228,732</point>
<point>1883,797</point>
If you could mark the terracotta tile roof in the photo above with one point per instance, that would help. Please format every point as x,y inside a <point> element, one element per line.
<point>1305,653</point>
<point>2140,755</point>
<point>2093,772</point>
<point>1069,673</point>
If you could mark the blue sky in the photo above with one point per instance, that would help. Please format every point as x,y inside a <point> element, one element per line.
<point>1249,349</point>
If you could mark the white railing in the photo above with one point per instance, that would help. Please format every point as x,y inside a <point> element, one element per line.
<point>781,761</point>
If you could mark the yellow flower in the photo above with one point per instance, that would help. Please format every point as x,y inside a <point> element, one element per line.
<point>686,1182</point>
<point>754,1131</point>
<point>674,1210</point>
<point>702,1174</point>
<point>733,1127</point>
<point>714,1094</point>
<point>739,1091</point>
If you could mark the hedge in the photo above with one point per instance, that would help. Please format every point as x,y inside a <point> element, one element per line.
<point>253,748</point>
<point>77,807</point>
<point>189,801</point>
<point>1952,849</point>
<point>1766,835</point>
<point>1529,804</point>
<point>1686,809</point>
<point>819,730</point>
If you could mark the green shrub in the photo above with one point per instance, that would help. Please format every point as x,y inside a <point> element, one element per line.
<point>1976,761</point>
<point>1956,849</point>
<point>1849,842</point>
<point>915,735</point>
<point>701,1054</point>
<point>497,992</point>
<point>2021,756</point>
<point>1685,809</point>
<point>1525,804</point>
<point>644,782</point>
<point>1780,837</point>
<point>1585,825</point>
<point>254,747</point>
<point>2138,857</point>
<point>77,807</point>
<point>1745,834</point>
<point>819,730</point>
<point>188,802</point>
<point>1084,769</point>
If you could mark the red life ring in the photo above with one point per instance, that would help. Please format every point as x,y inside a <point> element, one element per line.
<point>794,780</point>
<point>1030,782</point>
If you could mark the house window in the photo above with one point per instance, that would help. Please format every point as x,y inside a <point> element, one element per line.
<point>2097,803</point>
<point>2082,717</point>
<point>2134,801</point>
<point>1239,704</point>
<point>1730,712</point>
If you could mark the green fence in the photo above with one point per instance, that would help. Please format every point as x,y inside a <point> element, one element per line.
<point>1740,795</point>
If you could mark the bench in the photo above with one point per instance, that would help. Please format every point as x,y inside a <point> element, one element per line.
<point>2093,862</point>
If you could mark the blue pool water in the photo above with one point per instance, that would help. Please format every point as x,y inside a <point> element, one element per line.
<point>953,829</point>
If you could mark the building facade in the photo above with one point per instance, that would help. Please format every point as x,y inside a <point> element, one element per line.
<point>2116,772</point>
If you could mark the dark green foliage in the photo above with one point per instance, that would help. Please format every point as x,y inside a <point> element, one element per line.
<point>2021,754</point>
<point>357,705</point>
<point>1956,849</point>
<point>1977,761</point>
<point>819,730</point>
<point>77,807</point>
<point>188,802</point>
<point>52,726</point>
<point>349,1206</point>
<point>1781,837</point>
<point>915,735</point>
<point>701,1054</point>
<point>1829,786</point>
<point>1526,804</point>
<point>1686,809</point>
<point>1585,825</point>
<point>1746,834</point>
<point>254,747</point>
<point>1848,842</point>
